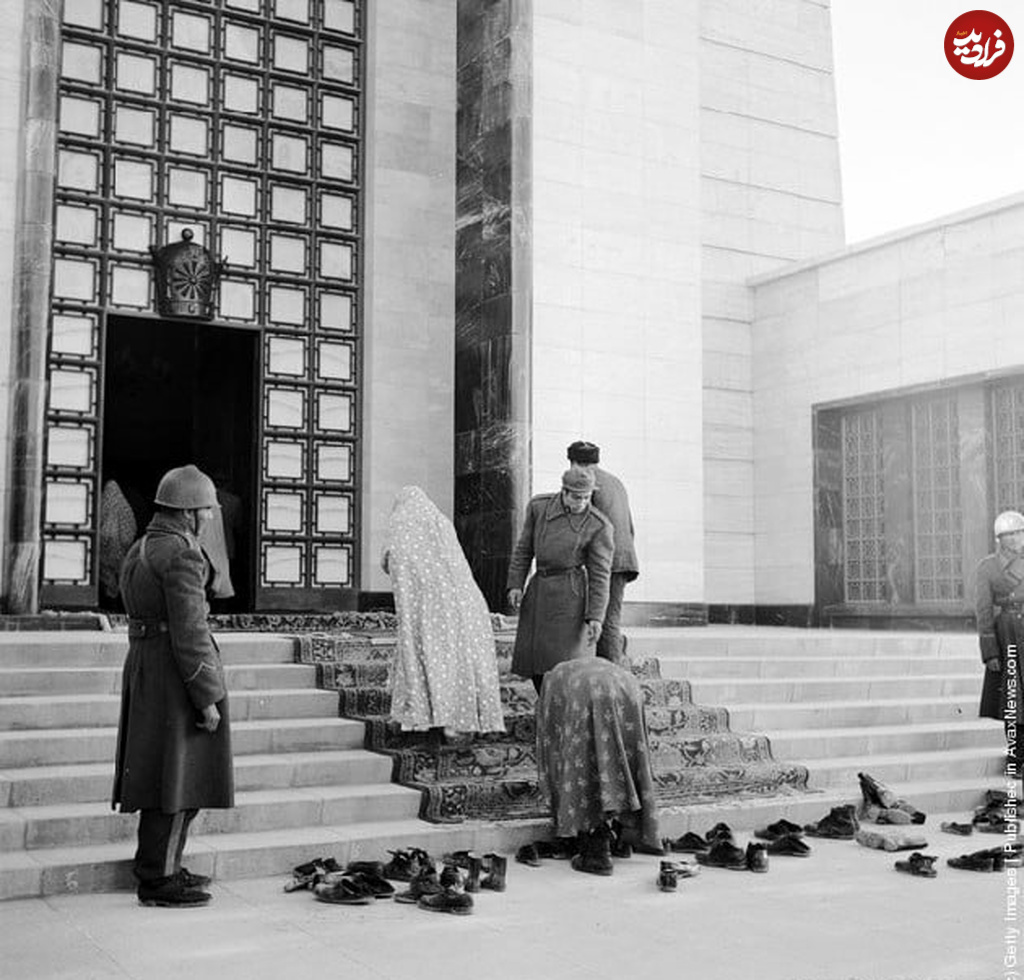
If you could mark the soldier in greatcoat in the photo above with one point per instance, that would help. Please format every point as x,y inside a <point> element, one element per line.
<point>565,601</point>
<point>174,743</point>
<point>999,605</point>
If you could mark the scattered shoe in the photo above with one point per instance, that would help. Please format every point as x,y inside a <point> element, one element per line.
<point>527,854</point>
<point>311,873</point>
<point>475,866</point>
<point>427,882</point>
<point>724,854</point>
<point>365,867</point>
<point>978,861</point>
<point>875,793</point>
<point>991,822</point>
<point>840,823</point>
<point>377,885</point>
<point>171,893</point>
<point>892,841</point>
<point>343,889</point>
<point>452,877</point>
<point>893,815</point>
<point>781,828</point>
<point>921,865</point>
<point>963,829</point>
<point>757,857</point>
<point>403,866</point>
<point>448,900</point>
<point>668,877</point>
<point>690,843</point>
<point>789,845</point>
<point>560,849</point>
<point>720,831</point>
<point>497,869</point>
<point>595,853</point>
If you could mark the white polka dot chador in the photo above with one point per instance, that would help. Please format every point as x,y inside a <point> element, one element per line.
<point>446,671</point>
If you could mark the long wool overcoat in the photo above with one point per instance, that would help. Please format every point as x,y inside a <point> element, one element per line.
<point>173,671</point>
<point>999,605</point>
<point>577,549</point>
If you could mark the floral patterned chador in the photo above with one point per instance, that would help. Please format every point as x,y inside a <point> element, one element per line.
<point>446,669</point>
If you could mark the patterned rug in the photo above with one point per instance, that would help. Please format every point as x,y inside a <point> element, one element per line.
<point>695,757</point>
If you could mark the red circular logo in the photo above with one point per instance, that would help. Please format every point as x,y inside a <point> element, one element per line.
<point>979,44</point>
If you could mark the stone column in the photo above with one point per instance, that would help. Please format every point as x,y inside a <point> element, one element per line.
<point>31,306</point>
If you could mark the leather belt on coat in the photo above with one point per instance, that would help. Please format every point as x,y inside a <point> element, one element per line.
<point>146,627</point>
<point>548,572</point>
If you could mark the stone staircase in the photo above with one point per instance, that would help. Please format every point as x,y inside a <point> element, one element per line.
<point>305,785</point>
<point>901,706</point>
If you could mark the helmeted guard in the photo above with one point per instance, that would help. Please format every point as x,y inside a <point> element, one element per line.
<point>999,604</point>
<point>174,742</point>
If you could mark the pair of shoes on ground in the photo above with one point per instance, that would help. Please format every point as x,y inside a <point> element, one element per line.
<point>785,839</point>
<point>898,840</point>
<point>919,865</point>
<point>353,886</point>
<point>406,864</point>
<point>670,872</point>
<point>693,843</point>
<point>309,873</point>
<point>181,890</point>
<point>990,858</point>
<point>725,854</point>
<point>840,823</point>
<point>486,871</point>
<point>427,892</point>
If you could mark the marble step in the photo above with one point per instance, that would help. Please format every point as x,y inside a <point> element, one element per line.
<point>238,854</point>
<point>763,716</point>
<point>29,681</point>
<point>77,824</point>
<point>108,649</point>
<point>816,743</point>
<point>790,690</point>
<point>720,668</point>
<point>99,710</point>
<point>781,642</point>
<point>69,746</point>
<point>909,767</point>
<point>92,782</point>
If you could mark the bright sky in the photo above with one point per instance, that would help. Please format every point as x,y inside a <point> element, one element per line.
<point>916,140</point>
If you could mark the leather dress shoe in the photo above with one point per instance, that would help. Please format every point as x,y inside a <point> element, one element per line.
<point>921,865</point>
<point>978,861</point>
<point>690,843</point>
<point>839,823</point>
<point>448,900</point>
<point>779,829</point>
<point>789,845</point>
<point>343,889</point>
<point>171,893</point>
<point>426,882</point>
<point>962,829</point>
<point>724,854</point>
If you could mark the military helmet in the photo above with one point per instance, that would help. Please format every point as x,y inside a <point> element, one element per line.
<point>186,488</point>
<point>1008,522</point>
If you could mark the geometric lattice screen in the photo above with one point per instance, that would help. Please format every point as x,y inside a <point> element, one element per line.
<point>1008,446</point>
<point>938,518</point>
<point>240,120</point>
<point>863,507</point>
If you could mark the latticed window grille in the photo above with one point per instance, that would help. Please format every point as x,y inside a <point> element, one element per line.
<point>938,519</point>
<point>863,507</point>
<point>240,120</point>
<point>1008,446</point>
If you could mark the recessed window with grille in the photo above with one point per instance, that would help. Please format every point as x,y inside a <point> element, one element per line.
<point>863,507</point>
<point>1008,446</point>
<point>938,520</point>
<point>240,120</point>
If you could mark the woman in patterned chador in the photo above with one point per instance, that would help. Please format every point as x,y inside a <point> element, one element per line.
<point>446,669</point>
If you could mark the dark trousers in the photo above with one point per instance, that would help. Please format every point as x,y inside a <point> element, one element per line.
<point>161,843</point>
<point>612,644</point>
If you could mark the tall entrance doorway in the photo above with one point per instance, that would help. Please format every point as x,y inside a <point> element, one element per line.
<point>177,393</point>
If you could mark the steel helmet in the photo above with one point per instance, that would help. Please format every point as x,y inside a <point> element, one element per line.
<point>1008,522</point>
<point>187,488</point>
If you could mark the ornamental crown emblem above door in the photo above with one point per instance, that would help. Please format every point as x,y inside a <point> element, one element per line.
<point>186,279</point>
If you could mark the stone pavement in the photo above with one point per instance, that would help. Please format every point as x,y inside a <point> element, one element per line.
<point>843,913</point>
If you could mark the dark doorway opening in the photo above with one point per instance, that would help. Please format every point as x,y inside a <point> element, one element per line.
<point>177,393</point>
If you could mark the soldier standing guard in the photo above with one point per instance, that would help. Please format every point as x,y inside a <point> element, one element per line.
<point>173,742</point>
<point>999,603</point>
